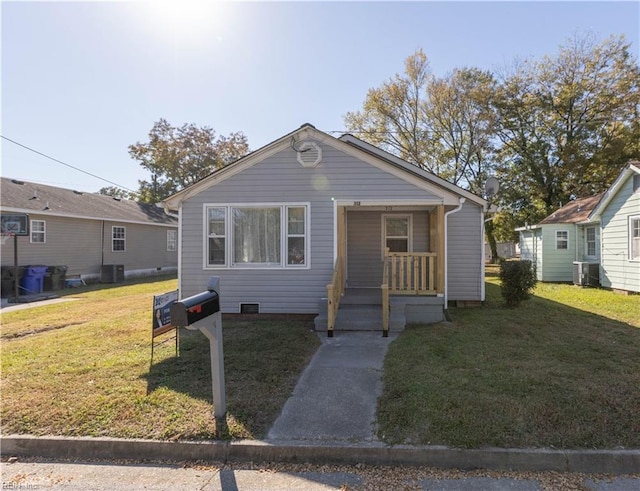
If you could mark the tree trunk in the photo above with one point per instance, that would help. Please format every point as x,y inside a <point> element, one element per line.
<point>492,241</point>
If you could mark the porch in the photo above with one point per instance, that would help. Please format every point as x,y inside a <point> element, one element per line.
<point>389,269</point>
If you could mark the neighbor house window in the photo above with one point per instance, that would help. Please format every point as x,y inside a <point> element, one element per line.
<point>38,232</point>
<point>172,240</point>
<point>590,241</point>
<point>262,236</point>
<point>396,232</point>
<point>634,238</point>
<point>562,239</point>
<point>118,239</point>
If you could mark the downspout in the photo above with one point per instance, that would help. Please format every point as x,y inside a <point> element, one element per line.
<point>167,210</point>
<point>446,255</point>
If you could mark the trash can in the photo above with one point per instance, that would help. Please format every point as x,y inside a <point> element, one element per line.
<point>54,278</point>
<point>8,280</point>
<point>33,279</point>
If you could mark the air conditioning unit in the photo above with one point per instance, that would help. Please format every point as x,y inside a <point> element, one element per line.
<point>586,274</point>
<point>112,273</point>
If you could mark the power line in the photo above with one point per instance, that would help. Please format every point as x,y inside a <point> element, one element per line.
<point>65,164</point>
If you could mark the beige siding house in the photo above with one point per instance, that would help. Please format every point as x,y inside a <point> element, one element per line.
<point>310,221</point>
<point>86,231</point>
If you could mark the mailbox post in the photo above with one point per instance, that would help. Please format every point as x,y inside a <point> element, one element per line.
<point>202,311</point>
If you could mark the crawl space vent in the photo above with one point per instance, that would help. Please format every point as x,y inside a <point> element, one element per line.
<point>309,154</point>
<point>249,308</point>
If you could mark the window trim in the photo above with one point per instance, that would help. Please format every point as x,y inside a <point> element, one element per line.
<point>229,238</point>
<point>567,240</point>
<point>123,239</point>
<point>632,220</point>
<point>595,242</point>
<point>172,243</point>
<point>385,216</point>
<point>43,232</point>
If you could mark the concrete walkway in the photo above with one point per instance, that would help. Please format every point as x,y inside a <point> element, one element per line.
<point>336,396</point>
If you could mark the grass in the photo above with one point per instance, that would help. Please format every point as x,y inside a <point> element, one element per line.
<point>81,368</point>
<point>562,370</point>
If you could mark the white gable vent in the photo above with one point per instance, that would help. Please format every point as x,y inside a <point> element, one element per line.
<point>309,154</point>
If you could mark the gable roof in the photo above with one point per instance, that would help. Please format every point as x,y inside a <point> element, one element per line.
<point>28,197</point>
<point>575,211</point>
<point>345,143</point>
<point>630,169</point>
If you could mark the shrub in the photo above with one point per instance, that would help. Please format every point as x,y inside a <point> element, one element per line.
<point>518,279</point>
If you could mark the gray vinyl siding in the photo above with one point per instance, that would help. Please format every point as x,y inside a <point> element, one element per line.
<point>69,241</point>
<point>531,249</point>
<point>364,244</point>
<point>79,243</point>
<point>558,263</point>
<point>145,247</point>
<point>617,271</point>
<point>281,179</point>
<point>465,250</point>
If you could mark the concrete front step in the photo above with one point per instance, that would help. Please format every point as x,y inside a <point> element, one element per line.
<point>361,318</point>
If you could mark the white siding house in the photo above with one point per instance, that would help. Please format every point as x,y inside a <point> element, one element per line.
<point>561,239</point>
<point>619,216</point>
<point>281,224</point>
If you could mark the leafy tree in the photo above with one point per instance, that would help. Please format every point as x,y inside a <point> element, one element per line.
<point>117,192</point>
<point>180,156</point>
<point>566,124</point>
<point>393,116</point>
<point>444,125</point>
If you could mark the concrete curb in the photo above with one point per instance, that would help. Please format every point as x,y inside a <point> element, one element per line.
<point>614,462</point>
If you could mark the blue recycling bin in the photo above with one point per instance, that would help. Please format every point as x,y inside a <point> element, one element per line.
<point>33,279</point>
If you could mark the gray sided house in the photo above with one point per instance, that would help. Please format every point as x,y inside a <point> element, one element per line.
<point>85,231</point>
<point>618,213</point>
<point>309,221</point>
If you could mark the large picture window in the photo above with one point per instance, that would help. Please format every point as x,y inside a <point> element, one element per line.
<point>260,236</point>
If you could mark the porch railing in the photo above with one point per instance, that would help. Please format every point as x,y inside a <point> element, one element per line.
<point>385,297</point>
<point>411,273</point>
<point>406,273</point>
<point>335,289</point>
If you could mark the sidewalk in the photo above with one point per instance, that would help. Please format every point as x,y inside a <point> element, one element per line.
<point>335,398</point>
<point>329,425</point>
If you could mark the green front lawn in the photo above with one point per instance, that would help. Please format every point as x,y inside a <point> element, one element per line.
<point>562,370</point>
<point>82,368</point>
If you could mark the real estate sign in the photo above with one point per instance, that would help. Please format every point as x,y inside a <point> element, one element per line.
<point>162,312</point>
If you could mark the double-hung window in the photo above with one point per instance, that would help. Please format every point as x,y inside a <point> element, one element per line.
<point>634,238</point>
<point>118,239</point>
<point>172,240</point>
<point>590,242</point>
<point>38,232</point>
<point>562,239</point>
<point>396,233</point>
<point>257,236</point>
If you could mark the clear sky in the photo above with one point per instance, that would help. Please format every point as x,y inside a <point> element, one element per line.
<point>83,80</point>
